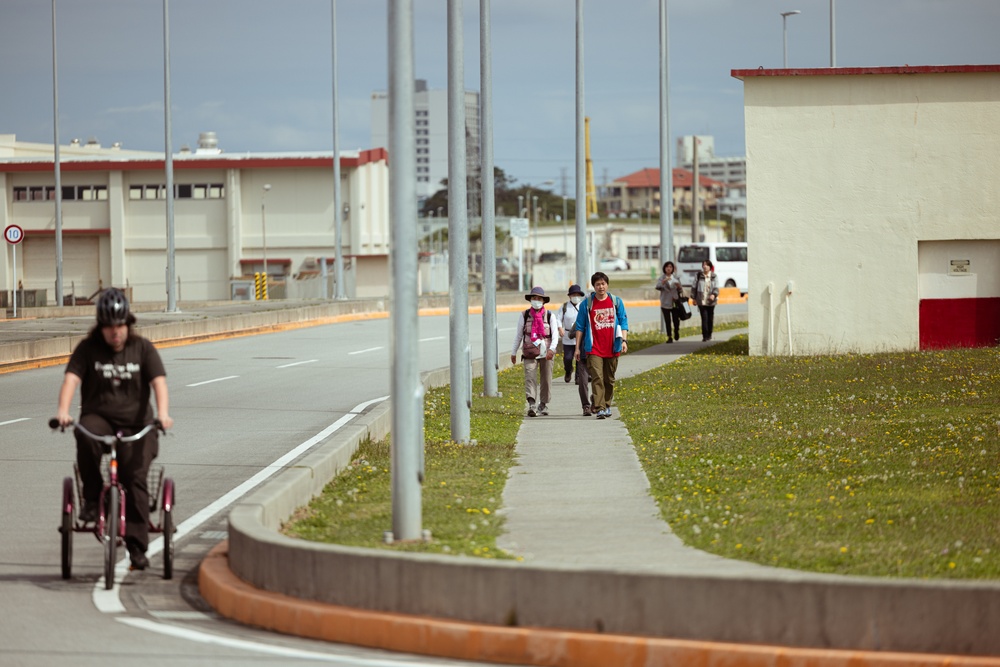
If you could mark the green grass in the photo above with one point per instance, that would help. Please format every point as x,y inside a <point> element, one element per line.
<point>885,464</point>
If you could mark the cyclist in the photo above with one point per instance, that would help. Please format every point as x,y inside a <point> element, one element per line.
<point>115,369</point>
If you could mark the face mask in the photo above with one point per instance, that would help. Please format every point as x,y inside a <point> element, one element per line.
<point>537,304</point>
<point>575,300</point>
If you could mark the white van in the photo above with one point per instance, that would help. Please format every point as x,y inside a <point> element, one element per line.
<point>729,260</point>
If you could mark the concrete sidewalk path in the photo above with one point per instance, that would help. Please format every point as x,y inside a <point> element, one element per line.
<point>579,496</point>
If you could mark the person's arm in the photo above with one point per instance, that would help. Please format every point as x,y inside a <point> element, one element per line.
<point>555,334</point>
<point>162,397</point>
<point>518,335</point>
<point>70,382</point>
<point>581,322</point>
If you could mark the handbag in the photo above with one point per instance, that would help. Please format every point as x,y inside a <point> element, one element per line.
<point>683,309</point>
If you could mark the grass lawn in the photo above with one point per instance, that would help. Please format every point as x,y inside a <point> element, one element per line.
<point>882,464</point>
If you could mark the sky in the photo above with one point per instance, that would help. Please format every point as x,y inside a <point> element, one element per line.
<point>258,72</point>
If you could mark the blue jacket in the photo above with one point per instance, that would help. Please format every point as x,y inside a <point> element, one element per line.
<point>583,322</point>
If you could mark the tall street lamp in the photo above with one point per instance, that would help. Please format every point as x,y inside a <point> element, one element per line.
<point>784,32</point>
<point>263,229</point>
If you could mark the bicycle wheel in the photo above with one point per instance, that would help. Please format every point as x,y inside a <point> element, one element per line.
<point>168,544</point>
<point>66,528</point>
<point>111,536</point>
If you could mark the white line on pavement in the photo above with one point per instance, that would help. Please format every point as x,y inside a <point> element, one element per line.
<point>427,340</point>
<point>260,647</point>
<point>109,601</point>
<point>14,421</point>
<point>298,363</point>
<point>228,377</point>
<point>370,349</point>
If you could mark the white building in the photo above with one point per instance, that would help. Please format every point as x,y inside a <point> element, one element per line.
<point>873,208</point>
<point>431,111</point>
<point>729,170</point>
<point>114,220</point>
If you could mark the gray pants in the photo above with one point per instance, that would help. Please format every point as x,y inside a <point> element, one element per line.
<point>533,368</point>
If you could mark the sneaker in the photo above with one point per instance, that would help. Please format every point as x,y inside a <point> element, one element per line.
<point>88,514</point>
<point>670,340</point>
<point>138,558</point>
<point>600,414</point>
<point>607,413</point>
<point>543,410</point>
<point>569,378</point>
<point>531,411</point>
<point>586,411</point>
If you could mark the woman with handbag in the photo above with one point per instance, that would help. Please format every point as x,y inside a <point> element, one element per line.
<point>671,294</point>
<point>706,295</point>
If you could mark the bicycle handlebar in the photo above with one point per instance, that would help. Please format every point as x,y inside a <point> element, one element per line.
<point>109,439</point>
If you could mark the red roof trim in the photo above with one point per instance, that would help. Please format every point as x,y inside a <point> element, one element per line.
<point>857,71</point>
<point>194,164</point>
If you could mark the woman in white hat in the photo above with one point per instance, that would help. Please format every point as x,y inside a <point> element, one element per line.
<point>537,335</point>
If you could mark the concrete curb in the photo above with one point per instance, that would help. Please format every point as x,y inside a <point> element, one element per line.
<point>424,635</point>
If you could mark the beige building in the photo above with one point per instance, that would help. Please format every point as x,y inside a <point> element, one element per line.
<point>873,208</point>
<point>225,221</point>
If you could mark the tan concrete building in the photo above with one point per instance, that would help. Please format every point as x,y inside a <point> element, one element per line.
<point>873,208</point>
<point>225,221</point>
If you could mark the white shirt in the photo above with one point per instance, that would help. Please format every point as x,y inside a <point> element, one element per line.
<point>550,342</point>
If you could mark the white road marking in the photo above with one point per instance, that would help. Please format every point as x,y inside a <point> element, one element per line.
<point>228,377</point>
<point>14,421</point>
<point>427,340</point>
<point>183,616</point>
<point>298,363</point>
<point>260,647</point>
<point>370,349</point>
<point>109,601</point>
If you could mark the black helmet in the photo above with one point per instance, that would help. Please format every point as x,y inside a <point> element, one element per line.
<point>112,308</point>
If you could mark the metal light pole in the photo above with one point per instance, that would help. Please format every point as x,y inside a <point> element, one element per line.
<point>458,234</point>
<point>56,163</point>
<point>833,36</point>
<point>407,392</point>
<point>338,222</point>
<point>784,33</point>
<point>490,346</point>
<point>168,164</point>
<point>263,232</point>
<point>581,159</point>
<point>666,169</point>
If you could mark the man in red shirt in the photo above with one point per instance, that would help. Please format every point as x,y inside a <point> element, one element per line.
<point>602,334</point>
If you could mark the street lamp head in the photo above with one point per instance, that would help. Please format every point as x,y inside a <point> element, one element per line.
<point>267,186</point>
<point>794,11</point>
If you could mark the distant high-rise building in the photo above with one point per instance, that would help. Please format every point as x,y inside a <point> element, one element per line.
<point>729,170</point>
<point>431,111</point>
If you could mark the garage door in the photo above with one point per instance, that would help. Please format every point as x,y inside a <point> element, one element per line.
<point>81,265</point>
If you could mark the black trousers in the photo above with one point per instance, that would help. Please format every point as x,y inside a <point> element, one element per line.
<point>582,379</point>
<point>671,315</point>
<point>707,321</point>
<point>134,460</point>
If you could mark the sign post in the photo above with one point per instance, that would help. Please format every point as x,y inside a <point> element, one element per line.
<point>14,234</point>
<point>519,231</point>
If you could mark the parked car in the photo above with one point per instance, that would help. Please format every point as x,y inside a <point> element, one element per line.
<point>614,264</point>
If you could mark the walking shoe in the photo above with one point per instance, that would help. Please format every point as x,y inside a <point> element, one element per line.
<point>531,411</point>
<point>138,558</point>
<point>543,410</point>
<point>586,411</point>
<point>600,414</point>
<point>670,340</point>
<point>88,514</point>
<point>607,413</point>
<point>569,378</point>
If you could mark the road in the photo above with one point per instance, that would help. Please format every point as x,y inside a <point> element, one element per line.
<point>239,406</point>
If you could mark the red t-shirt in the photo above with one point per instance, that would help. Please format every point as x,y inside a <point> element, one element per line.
<point>602,328</point>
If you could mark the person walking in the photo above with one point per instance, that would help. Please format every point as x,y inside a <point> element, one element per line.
<point>537,335</point>
<point>706,295</point>
<point>116,371</point>
<point>567,330</point>
<point>601,335</point>
<point>671,293</point>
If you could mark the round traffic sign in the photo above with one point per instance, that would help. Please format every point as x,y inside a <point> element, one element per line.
<point>13,234</point>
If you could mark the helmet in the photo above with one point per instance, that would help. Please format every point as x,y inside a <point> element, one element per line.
<point>112,307</point>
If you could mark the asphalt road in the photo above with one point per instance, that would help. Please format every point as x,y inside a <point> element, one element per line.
<point>240,405</point>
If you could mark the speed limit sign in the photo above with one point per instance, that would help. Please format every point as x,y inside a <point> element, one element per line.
<point>13,234</point>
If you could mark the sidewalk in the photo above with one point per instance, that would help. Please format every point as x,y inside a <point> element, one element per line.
<point>579,487</point>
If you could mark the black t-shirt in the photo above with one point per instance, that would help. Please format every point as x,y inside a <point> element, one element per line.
<point>115,385</point>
